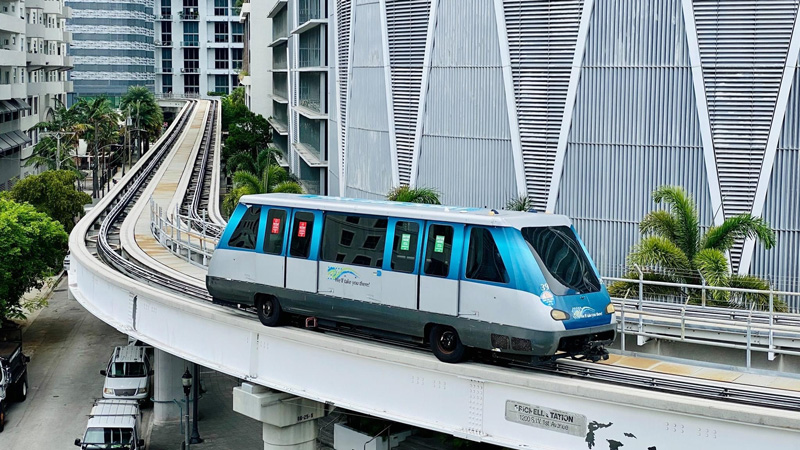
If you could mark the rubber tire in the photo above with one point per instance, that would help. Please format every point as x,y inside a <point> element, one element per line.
<point>2,418</point>
<point>22,388</point>
<point>453,353</point>
<point>273,318</point>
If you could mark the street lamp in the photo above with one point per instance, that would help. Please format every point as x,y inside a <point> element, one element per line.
<point>95,188</point>
<point>195,406</point>
<point>186,381</point>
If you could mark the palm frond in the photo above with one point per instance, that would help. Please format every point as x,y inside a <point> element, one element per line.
<point>275,175</point>
<point>405,193</point>
<point>761,300</point>
<point>656,251</point>
<point>659,223</point>
<point>713,266</point>
<point>240,161</point>
<point>684,213</point>
<point>288,187</point>
<point>628,290</point>
<point>723,237</point>
<point>523,203</point>
<point>248,183</point>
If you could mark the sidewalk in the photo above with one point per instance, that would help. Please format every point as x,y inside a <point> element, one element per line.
<point>219,426</point>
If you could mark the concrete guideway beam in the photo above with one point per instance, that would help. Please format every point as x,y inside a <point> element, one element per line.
<point>289,422</point>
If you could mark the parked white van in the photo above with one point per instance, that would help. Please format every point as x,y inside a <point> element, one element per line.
<point>113,424</point>
<point>128,374</point>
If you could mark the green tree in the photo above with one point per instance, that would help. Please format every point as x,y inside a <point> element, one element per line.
<point>53,193</point>
<point>97,121</point>
<point>405,193</point>
<point>32,247</point>
<point>245,161</point>
<point>273,179</point>
<point>145,113</point>
<point>251,133</point>
<point>46,152</point>
<point>522,203</point>
<point>675,245</point>
<point>233,107</point>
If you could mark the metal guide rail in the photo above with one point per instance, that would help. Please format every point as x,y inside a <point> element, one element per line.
<point>118,211</point>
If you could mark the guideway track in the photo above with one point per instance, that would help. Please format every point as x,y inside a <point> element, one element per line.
<point>283,358</point>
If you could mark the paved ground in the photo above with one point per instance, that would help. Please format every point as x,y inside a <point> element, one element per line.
<point>220,427</point>
<point>68,348</point>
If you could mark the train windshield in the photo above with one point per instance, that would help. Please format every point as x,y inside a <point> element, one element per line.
<point>564,264</point>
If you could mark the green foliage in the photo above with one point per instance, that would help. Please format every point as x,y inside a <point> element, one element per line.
<point>250,133</point>
<point>405,193</point>
<point>523,203</point>
<point>53,193</point>
<point>32,247</point>
<point>273,179</point>
<point>674,244</point>
<point>46,153</point>
<point>144,111</point>
<point>233,107</point>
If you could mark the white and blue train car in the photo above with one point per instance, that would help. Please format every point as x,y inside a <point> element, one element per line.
<point>514,283</point>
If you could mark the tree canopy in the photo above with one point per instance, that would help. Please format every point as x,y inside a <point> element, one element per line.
<point>257,176</point>
<point>250,133</point>
<point>405,193</point>
<point>32,246</point>
<point>676,247</point>
<point>145,113</point>
<point>53,193</point>
<point>233,107</point>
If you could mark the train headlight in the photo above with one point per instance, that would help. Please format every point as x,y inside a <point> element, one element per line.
<point>610,308</point>
<point>557,314</point>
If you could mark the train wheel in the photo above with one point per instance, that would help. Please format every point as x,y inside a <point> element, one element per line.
<point>2,417</point>
<point>269,310</point>
<point>446,344</point>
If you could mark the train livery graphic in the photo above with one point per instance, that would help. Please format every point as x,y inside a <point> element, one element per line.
<point>515,284</point>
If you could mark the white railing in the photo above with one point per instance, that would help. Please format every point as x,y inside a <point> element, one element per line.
<point>190,239</point>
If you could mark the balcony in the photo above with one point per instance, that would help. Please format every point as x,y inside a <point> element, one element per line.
<point>164,17</point>
<point>163,43</point>
<point>279,127</point>
<point>190,44</point>
<point>39,60</point>
<point>15,90</point>
<point>188,15</point>
<point>309,155</point>
<point>243,13</point>
<point>309,10</point>
<point>280,25</point>
<point>279,5</point>
<point>164,70</point>
<point>12,57</point>
<point>190,70</point>
<point>12,22</point>
<point>309,25</point>
<point>310,52</point>
<point>54,34</point>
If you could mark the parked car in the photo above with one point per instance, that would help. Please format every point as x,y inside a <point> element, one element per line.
<point>13,371</point>
<point>113,424</point>
<point>128,375</point>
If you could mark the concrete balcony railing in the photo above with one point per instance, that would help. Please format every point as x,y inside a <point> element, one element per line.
<point>49,87</point>
<point>54,34</point>
<point>12,23</point>
<point>15,90</point>
<point>36,30</point>
<point>36,60</point>
<point>12,57</point>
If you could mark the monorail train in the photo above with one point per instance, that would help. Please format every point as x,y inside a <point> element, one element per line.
<point>513,283</point>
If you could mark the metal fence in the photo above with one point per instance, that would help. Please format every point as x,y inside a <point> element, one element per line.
<point>190,239</point>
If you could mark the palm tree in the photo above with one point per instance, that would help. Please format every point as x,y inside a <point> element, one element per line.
<point>245,161</point>
<point>522,203</point>
<point>145,113</point>
<point>46,153</point>
<point>405,193</point>
<point>675,245</point>
<point>274,179</point>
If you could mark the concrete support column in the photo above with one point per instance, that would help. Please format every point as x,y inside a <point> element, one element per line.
<point>167,387</point>
<point>289,422</point>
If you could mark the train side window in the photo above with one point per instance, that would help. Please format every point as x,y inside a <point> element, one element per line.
<point>358,240</point>
<point>483,259</point>
<point>438,248</point>
<point>300,246</point>
<point>276,226</point>
<point>404,248</point>
<point>245,234</point>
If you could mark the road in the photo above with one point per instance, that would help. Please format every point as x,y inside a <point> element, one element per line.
<point>68,348</point>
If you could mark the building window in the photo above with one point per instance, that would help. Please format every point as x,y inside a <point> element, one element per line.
<point>191,84</point>
<point>310,52</point>
<point>236,55</point>
<point>309,10</point>
<point>220,31</point>
<point>191,33</point>
<point>220,7</point>
<point>237,29</point>
<point>220,58</point>
<point>357,240</point>
<point>221,84</point>
<point>166,32</point>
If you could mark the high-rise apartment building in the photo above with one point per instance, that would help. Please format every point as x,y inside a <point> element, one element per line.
<point>199,47</point>
<point>112,46</point>
<point>583,106</point>
<point>33,77</point>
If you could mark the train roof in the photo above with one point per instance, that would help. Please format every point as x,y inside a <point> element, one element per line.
<point>477,216</point>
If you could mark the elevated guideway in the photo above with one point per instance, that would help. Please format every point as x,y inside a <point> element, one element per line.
<point>509,406</point>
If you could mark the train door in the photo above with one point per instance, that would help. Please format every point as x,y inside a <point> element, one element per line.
<point>485,278</point>
<point>271,266</point>
<point>401,271</point>
<point>438,281</point>
<point>301,260</point>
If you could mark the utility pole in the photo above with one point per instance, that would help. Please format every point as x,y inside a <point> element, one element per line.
<point>94,166</point>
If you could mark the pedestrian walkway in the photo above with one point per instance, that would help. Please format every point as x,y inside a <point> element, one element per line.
<point>219,426</point>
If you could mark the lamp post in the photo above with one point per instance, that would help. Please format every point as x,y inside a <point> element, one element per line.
<point>195,394</point>
<point>105,167</point>
<point>186,381</point>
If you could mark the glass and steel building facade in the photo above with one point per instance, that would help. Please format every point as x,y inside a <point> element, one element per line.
<point>112,46</point>
<point>584,106</point>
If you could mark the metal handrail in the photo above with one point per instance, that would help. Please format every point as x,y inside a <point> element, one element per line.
<point>184,236</point>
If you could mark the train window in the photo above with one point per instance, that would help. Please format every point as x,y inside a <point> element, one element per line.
<point>300,246</point>
<point>357,240</point>
<point>437,253</point>
<point>404,248</point>
<point>276,225</point>
<point>246,232</point>
<point>564,264</point>
<point>483,260</point>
